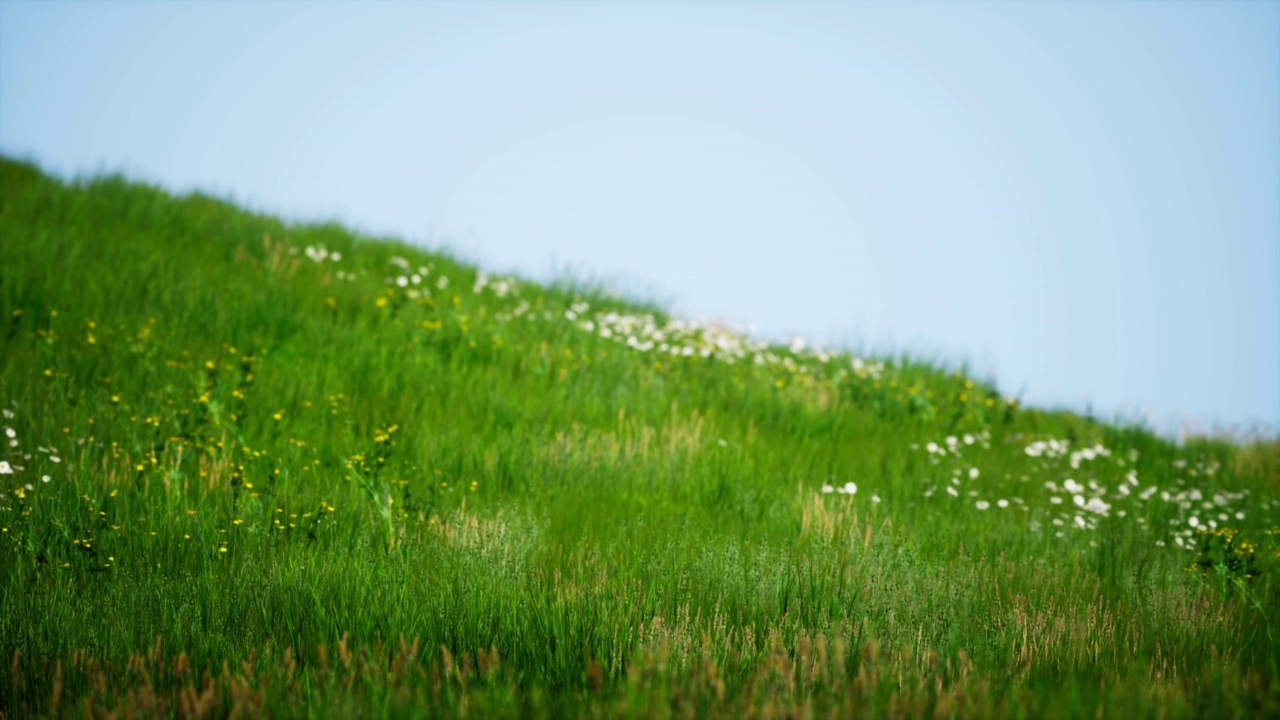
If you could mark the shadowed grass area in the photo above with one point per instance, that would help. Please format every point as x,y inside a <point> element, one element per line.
<point>252,467</point>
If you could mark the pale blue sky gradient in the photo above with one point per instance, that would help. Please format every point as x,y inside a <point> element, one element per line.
<point>1081,199</point>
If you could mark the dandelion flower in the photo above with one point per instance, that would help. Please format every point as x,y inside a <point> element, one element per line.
<point>1002,503</point>
<point>982,504</point>
<point>850,488</point>
<point>973,473</point>
<point>10,432</point>
<point>875,498</point>
<point>827,489</point>
<point>4,468</point>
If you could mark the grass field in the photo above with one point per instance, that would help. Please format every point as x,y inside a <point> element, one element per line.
<point>253,467</point>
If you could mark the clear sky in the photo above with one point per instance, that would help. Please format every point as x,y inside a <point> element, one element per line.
<point>1080,199</point>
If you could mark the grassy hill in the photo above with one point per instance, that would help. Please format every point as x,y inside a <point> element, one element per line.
<point>260,467</point>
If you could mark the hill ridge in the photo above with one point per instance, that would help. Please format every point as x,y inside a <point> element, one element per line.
<point>323,462</point>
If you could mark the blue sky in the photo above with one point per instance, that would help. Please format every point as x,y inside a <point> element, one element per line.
<point>1080,199</point>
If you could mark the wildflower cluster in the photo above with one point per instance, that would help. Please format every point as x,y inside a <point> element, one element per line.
<point>18,465</point>
<point>319,254</point>
<point>1220,551</point>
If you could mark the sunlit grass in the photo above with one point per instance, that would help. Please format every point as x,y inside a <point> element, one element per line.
<point>253,467</point>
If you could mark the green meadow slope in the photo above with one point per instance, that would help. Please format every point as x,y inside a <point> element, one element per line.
<point>254,467</point>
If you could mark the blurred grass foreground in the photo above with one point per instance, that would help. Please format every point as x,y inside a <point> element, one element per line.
<point>251,467</point>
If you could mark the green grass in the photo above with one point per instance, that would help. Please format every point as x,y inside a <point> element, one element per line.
<point>283,483</point>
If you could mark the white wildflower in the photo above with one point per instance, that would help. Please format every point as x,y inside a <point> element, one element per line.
<point>1096,505</point>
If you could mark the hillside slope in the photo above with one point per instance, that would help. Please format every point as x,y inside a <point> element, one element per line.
<point>286,468</point>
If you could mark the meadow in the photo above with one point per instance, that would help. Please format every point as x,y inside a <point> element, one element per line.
<point>253,467</point>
